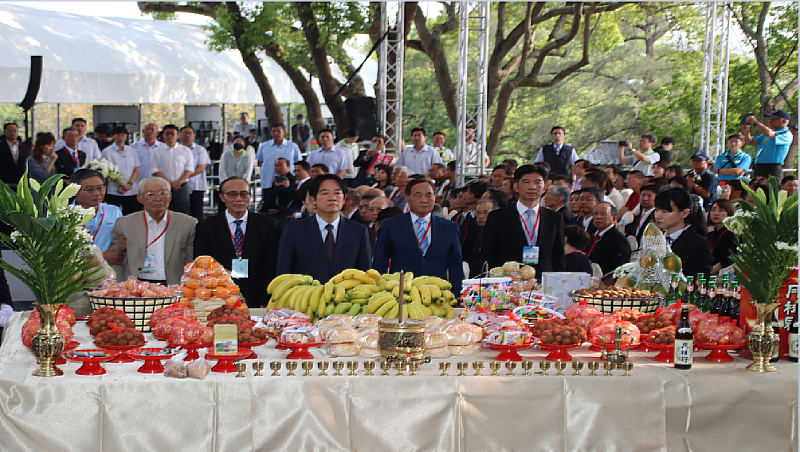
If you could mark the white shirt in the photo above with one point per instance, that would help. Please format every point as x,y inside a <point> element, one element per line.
<point>145,153</point>
<point>572,158</point>
<point>644,216</point>
<point>127,161</point>
<point>15,153</point>
<point>243,129</point>
<point>157,248</point>
<point>674,236</point>
<point>419,162</point>
<point>324,231</point>
<point>446,154</point>
<point>427,219</point>
<point>199,183</point>
<point>586,222</point>
<point>646,168</point>
<point>75,156</point>
<point>351,151</point>
<point>522,209</point>
<point>172,162</point>
<point>87,145</point>
<point>232,225</point>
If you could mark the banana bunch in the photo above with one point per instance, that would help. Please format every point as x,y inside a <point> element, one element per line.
<point>355,292</point>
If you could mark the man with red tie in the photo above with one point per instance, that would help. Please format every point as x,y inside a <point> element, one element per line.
<point>609,248</point>
<point>70,158</point>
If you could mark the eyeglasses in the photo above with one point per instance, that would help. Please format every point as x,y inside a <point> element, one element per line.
<point>423,195</point>
<point>237,194</point>
<point>92,190</point>
<point>156,194</point>
<point>587,199</point>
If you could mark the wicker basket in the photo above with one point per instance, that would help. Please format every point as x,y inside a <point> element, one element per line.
<point>608,305</point>
<point>137,309</point>
<point>202,308</point>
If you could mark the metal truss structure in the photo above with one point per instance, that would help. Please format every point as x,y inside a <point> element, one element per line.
<point>390,76</point>
<point>714,101</point>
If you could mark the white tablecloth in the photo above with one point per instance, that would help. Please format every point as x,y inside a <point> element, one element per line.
<point>711,407</point>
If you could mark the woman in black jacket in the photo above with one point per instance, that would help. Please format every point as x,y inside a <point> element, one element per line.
<point>721,240</point>
<point>682,223</point>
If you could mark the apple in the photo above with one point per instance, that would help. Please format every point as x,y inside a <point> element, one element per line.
<point>510,267</point>
<point>527,272</point>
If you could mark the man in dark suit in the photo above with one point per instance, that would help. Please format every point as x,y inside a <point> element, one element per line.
<point>13,155</point>
<point>325,244</point>
<point>647,210</point>
<point>69,157</point>
<point>525,228</point>
<point>365,159</point>
<point>556,199</point>
<point>419,241</point>
<point>350,210</point>
<point>280,200</point>
<point>252,258</point>
<point>609,248</point>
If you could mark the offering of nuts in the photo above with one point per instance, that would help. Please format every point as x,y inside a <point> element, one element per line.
<point>663,336</point>
<point>231,320</point>
<point>566,335</point>
<point>228,311</point>
<point>248,335</point>
<point>120,338</point>
<point>103,322</point>
<point>648,324</point>
<point>616,292</point>
<point>542,327</point>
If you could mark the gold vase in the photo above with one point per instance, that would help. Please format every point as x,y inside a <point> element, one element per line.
<point>762,340</point>
<point>48,344</point>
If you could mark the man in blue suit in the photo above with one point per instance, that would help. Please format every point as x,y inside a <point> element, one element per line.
<point>419,241</point>
<point>326,243</point>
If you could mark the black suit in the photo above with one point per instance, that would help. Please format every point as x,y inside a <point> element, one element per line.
<point>362,162</point>
<point>213,238</point>
<point>610,251</point>
<point>358,218</point>
<point>630,229</point>
<point>66,165</point>
<point>569,217</point>
<point>504,239</point>
<point>10,171</point>
<point>695,253</point>
<point>284,199</point>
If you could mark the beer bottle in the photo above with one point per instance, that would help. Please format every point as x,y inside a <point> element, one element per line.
<point>689,295</point>
<point>674,294</point>
<point>701,294</point>
<point>735,298</point>
<point>792,334</point>
<point>727,304</point>
<point>711,294</point>
<point>684,342</point>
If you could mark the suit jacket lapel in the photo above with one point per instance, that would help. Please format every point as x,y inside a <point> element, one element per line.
<point>318,242</point>
<point>171,241</point>
<point>341,238</point>
<point>140,231</point>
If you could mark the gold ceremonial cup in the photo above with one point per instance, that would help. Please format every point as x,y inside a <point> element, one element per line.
<point>369,365</point>
<point>593,366</point>
<point>560,366</point>
<point>292,366</point>
<point>544,365</point>
<point>258,366</point>
<point>477,365</point>
<point>494,365</point>
<point>275,366</point>
<point>444,367</point>
<point>322,366</point>
<point>307,366</point>
<point>527,366</point>
<point>608,366</point>
<point>240,367</point>
<point>461,368</point>
<point>627,367</point>
<point>577,365</point>
<point>353,366</point>
<point>414,367</point>
<point>338,366</point>
<point>385,366</point>
<point>510,365</point>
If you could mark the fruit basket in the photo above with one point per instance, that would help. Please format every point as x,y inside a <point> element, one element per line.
<point>137,309</point>
<point>607,305</point>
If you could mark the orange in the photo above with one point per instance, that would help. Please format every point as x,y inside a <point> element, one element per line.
<point>215,299</point>
<point>226,281</point>
<point>197,272</point>
<point>216,270</point>
<point>187,292</point>
<point>192,283</point>
<point>211,282</point>
<point>203,261</point>
<point>187,267</point>
<point>202,292</point>
<point>233,290</point>
<point>221,292</point>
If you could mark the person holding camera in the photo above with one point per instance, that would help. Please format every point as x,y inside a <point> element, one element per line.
<point>773,144</point>
<point>281,199</point>
<point>702,182</point>
<point>733,163</point>
<point>643,159</point>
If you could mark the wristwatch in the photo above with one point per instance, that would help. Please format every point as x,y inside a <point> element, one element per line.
<point>756,123</point>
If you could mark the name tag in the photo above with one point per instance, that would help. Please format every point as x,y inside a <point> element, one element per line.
<point>149,266</point>
<point>530,255</point>
<point>240,268</point>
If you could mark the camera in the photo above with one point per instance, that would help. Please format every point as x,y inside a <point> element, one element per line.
<point>622,143</point>
<point>280,178</point>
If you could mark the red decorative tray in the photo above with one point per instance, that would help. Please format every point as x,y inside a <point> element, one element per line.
<point>719,353</point>
<point>299,351</point>
<point>191,349</point>
<point>152,363</point>
<point>71,345</point>
<point>558,352</point>
<point>667,354</point>
<point>276,337</point>
<point>225,362</point>
<point>123,357</point>
<point>91,365</point>
<point>508,352</point>
<point>246,345</point>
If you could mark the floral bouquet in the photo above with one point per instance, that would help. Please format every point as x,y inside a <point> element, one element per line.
<point>109,170</point>
<point>50,238</point>
<point>767,241</point>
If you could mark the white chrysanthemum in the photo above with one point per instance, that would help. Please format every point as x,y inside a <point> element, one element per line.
<point>783,246</point>
<point>84,236</point>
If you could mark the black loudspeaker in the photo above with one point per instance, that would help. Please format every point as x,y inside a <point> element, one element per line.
<point>361,117</point>
<point>34,82</point>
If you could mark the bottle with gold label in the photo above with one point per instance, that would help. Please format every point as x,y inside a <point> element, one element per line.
<point>684,342</point>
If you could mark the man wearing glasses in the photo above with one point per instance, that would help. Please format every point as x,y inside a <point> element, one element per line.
<point>251,258</point>
<point>158,242</point>
<point>643,159</point>
<point>419,241</point>
<point>175,163</point>
<point>91,195</point>
<point>609,248</point>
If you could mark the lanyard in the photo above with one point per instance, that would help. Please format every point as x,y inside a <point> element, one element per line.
<point>235,245</point>
<point>75,157</point>
<point>419,241</point>
<point>102,215</point>
<point>528,234</point>
<point>147,230</point>
<point>713,243</point>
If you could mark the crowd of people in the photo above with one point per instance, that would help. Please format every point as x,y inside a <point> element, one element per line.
<point>342,206</point>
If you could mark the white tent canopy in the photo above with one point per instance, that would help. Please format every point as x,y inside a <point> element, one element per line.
<point>101,60</point>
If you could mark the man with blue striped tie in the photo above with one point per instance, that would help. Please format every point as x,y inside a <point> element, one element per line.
<point>419,241</point>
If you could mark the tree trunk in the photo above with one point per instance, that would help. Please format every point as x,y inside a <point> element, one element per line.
<point>319,55</point>
<point>303,86</point>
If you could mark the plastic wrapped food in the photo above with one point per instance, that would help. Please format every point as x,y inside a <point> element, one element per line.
<point>340,334</point>
<point>477,317</point>
<point>368,339</point>
<point>565,335</point>
<point>103,322</point>
<point>206,284</point>
<point>133,288</point>
<point>186,335</point>
<point>673,311</point>
<point>662,336</point>
<point>342,349</point>
<point>432,323</point>
<point>701,318</point>
<point>366,352</point>
<point>438,352</point>
<point>275,325</point>
<point>120,337</point>
<point>499,323</point>
<point>251,335</point>
<point>464,334</point>
<point>198,369</point>
<point>592,321</point>
<point>575,311</point>
<point>650,323</point>
<point>720,334</point>
<point>301,335</point>
<point>629,315</point>
<point>164,328</point>
<point>229,311</point>
<point>63,313</point>
<point>176,310</point>
<point>175,367</point>
<point>543,326</point>
<point>366,321</point>
<point>231,320</point>
<point>606,331</point>
<point>510,336</point>
<point>31,327</point>
<point>342,318</point>
<point>97,313</point>
<point>436,340</point>
<point>464,350</point>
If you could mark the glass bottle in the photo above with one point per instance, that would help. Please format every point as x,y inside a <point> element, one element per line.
<point>701,294</point>
<point>689,295</point>
<point>792,319</point>
<point>735,302</point>
<point>726,306</point>
<point>674,294</point>
<point>684,342</point>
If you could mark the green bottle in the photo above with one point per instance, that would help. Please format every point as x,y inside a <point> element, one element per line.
<point>701,294</point>
<point>673,295</point>
<point>711,293</point>
<point>690,294</point>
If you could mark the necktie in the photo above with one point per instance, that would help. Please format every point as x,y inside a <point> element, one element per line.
<point>329,241</point>
<point>594,242</point>
<point>238,237</point>
<point>670,240</point>
<point>422,238</point>
<point>529,225</point>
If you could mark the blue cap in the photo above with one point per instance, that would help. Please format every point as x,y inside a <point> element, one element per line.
<point>700,155</point>
<point>780,114</point>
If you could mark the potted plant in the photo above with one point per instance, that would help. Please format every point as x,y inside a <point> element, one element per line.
<point>766,234</point>
<point>51,240</point>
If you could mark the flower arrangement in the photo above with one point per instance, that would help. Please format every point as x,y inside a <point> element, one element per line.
<point>767,241</point>
<point>49,237</point>
<point>109,170</point>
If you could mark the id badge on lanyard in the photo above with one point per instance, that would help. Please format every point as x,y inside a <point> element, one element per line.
<point>530,253</point>
<point>240,268</point>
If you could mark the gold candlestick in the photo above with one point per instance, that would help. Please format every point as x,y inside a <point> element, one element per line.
<point>385,366</point>
<point>560,366</point>
<point>275,366</point>
<point>544,365</point>
<point>444,367</point>
<point>292,366</point>
<point>369,365</point>
<point>353,366</point>
<point>258,366</point>
<point>510,365</point>
<point>628,366</point>
<point>608,366</point>
<point>414,368</point>
<point>494,365</point>
<point>593,366</point>
<point>322,366</point>
<point>400,366</point>
<point>338,366</point>
<point>477,365</point>
<point>527,366</point>
<point>240,367</point>
<point>577,365</point>
<point>461,368</point>
<point>307,366</point>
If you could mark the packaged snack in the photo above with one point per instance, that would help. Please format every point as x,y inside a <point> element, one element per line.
<point>438,352</point>
<point>464,334</point>
<point>477,316</point>
<point>175,367</point>
<point>575,311</point>
<point>510,336</point>
<point>606,331</point>
<point>342,349</point>
<point>499,323</point>
<point>176,310</point>
<point>662,336</point>
<point>565,335</point>
<point>464,350</point>
<point>368,339</point>
<point>432,323</point>
<point>300,335</point>
<point>198,369</point>
<point>720,334</point>
<point>435,340</point>
<point>275,325</point>
<point>341,334</point>
<point>367,320</point>
<point>366,352</point>
<point>339,318</point>
<point>120,337</point>
<point>164,328</point>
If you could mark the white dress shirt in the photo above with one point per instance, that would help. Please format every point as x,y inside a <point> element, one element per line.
<point>419,162</point>
<point>351,151</point>
<point>427,219</point>
<point>145,153</point>
<point>172,162</point>
<point>199,182</point>
<point>324,231</point>
<point>232,225</point>
<point>87,145</point>
<point>14,152</point>
<point>523,209</point>
<point>127,161</point>
<point>157,248</point>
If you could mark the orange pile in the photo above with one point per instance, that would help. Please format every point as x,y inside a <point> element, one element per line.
<point>206,280</point>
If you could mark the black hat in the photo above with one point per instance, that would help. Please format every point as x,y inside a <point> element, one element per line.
<point>780,114</point>
<point>667,140</point>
